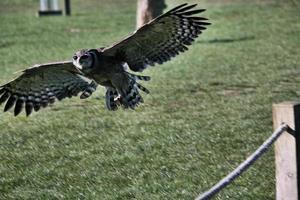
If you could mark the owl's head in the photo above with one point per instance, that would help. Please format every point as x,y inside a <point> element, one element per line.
<point>85,59</point>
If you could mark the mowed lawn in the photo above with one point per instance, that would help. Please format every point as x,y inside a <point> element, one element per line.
<point>208,108</point>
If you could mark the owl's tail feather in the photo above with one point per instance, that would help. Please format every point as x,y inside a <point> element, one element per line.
<point>132,97</point>
<point>129,97</point>
<point>138,77</point>
<point>142,88</point>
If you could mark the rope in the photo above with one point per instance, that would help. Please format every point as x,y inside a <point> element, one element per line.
<point>246,164</point>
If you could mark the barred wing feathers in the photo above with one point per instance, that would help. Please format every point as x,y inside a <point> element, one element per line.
<point>161,39</point>
<point>40,85</point>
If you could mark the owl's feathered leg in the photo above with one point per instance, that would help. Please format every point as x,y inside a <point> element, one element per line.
<point>111,98</point>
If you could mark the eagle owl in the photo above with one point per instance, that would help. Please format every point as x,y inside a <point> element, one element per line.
<point>154,43</point>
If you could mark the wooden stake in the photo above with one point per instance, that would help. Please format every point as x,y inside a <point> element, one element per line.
<point>148,10</point>
<point>287,151</point>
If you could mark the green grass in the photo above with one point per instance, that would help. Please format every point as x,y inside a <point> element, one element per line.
<point>207,111</point>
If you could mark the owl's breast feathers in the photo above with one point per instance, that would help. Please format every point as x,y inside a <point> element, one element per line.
<point>105,68</point>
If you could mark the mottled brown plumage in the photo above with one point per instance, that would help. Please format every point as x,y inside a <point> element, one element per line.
<point>154,43</point>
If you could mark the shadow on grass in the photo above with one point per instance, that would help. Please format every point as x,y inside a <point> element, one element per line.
<point>6,44</point>
<point>227,40</point>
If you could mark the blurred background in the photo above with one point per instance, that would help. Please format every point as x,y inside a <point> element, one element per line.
<point>208,108</point>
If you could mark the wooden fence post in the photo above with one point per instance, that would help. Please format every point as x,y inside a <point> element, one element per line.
<point>148,10</point>
<point>287,151</point>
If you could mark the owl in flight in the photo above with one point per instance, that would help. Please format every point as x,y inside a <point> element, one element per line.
<point>154,43</point>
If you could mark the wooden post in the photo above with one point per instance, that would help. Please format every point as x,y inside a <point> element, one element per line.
<point>148,10</point>
<point>287,151</point>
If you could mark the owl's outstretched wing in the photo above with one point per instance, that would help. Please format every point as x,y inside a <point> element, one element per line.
<point>161,39</point>
<point>40,85</point>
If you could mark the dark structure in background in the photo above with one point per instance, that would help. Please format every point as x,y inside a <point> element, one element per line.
<point>67,7</point>
<point>148,10</point>
<point>51,7</point>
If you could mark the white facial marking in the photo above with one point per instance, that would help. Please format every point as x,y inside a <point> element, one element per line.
<point>76,63</point>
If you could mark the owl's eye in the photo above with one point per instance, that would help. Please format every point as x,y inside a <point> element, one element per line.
<point>75,57</point>
<point>84,57</point>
